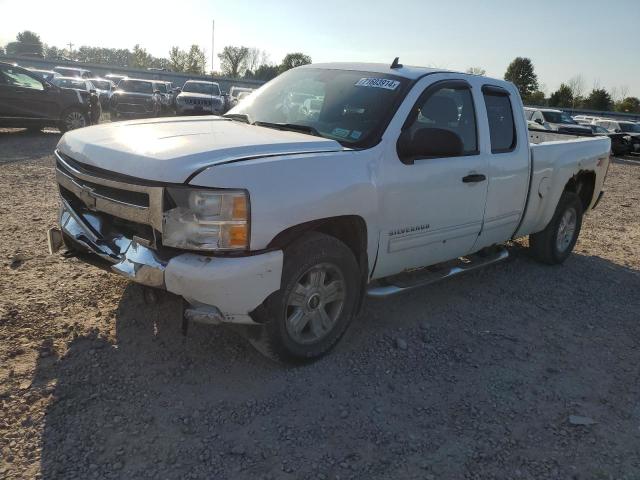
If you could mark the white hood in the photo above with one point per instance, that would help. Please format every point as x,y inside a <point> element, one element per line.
<point>171,149</point>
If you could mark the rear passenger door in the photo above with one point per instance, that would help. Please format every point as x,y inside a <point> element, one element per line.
<point>508,172</point>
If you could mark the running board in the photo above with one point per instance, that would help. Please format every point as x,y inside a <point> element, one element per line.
<point>425,276</point>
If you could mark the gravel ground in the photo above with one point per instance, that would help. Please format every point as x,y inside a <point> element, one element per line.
<point>517,371</point>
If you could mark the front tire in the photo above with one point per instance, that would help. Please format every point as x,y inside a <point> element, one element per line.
<point>316,302</point>
<point>554,244</point>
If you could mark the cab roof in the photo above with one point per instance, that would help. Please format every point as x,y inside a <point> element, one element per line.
<point>406,71</point>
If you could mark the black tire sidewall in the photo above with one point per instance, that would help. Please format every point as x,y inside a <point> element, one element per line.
<point>63,126</point>
<point>311,250</point>
<point>568,200</point>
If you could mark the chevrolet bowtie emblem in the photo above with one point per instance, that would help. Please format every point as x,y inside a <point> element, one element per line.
<point>86,195</point>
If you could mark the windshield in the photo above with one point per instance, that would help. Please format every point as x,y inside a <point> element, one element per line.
<point>135,86</point>
<point>529,114</point>
<point>70,83</point>
<point>348,106</point>
<point>102,84</point>
<point>558,117</point>
<point>629,127</point>
<point>201,87</point>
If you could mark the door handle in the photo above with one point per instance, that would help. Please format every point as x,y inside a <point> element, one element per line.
<point>474,178</point>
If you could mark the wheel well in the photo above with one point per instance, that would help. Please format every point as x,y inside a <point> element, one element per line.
<point>349,229</point>
<point>583,184</point>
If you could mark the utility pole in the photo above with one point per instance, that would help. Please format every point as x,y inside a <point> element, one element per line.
<point>70,50</point>
<point>213,27</point>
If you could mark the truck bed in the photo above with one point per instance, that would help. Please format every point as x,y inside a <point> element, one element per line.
<point>556,158</point>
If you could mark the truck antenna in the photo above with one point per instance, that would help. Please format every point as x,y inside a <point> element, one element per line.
<point>396,63</point>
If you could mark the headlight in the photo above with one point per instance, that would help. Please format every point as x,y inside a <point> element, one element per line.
<point>206,220</point>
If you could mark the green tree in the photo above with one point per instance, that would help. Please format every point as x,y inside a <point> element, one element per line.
<point>598,99</point>
<point>27,43</point>
<point>563,97</point>
<point>177,59</point>
<point>233,61</point>
<point>537,98</point>
<point>629,105</point>
<point>521,73</point>
<point>140,58</point>
<point>476,71</point>
<point>195,60</point>
<point>292,60</point>
<point>1,50</point>
<point>263,72</point>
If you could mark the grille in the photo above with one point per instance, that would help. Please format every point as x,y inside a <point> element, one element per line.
<point>86,186</point>
<point>198,101</point>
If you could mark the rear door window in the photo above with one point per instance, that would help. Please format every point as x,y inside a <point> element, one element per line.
<point>502,128</point>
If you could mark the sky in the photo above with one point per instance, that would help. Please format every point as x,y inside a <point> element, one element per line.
<point>563,38</point>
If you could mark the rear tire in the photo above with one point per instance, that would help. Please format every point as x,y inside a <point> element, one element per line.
<point>554,244</point>
<point>73,118</point>
<point>316,302</point>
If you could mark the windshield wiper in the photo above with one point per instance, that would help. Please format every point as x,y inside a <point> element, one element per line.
<point>290,126</point>
<point>243,117</point>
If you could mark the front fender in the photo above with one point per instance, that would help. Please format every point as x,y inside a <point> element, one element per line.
<point>286,191</point>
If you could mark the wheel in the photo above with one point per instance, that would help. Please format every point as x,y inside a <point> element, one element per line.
<point>554,244</point>
<point>318,297</point>
<point>73,118</point>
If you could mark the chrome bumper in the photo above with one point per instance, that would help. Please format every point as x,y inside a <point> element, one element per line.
<point>126,256</point>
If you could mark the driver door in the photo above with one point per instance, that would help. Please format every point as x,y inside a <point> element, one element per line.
<point>433,204</point>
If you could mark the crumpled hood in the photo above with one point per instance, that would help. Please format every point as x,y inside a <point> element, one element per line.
<point>170,150</point>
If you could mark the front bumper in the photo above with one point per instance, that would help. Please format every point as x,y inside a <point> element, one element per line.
<point>188,109</point>
<point>230,286</point>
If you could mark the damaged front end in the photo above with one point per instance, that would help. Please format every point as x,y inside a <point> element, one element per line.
<point>117,223</point>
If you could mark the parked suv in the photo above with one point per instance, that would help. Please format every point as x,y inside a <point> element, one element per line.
<point>73,72</point>
<point>555,120</point>
<point>199,98</point>
<point>29,101</point>
<point>135,99</point>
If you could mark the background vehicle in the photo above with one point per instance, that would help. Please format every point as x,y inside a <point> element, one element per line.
<point>199,98</point>
<point>556,120</point>
<point>27,100</point>
<point>85,86</point>
<point>284,227</point>
<point>631,129</point>
<point>104,88</point>
<point>48,75</point>
<point>236,94</point>
<point>115,78</point>
<point>166,96</point>
<point>73,72</point>
<point>585,119</point>
<point>620,142</point>
<point>135,98</point>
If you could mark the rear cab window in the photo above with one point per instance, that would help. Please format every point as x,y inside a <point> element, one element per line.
<point>502,128</point>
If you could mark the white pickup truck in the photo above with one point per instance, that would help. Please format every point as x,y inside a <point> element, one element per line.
<point>283,218</point>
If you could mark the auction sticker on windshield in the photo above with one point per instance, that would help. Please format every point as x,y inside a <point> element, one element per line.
<point>378,83</point>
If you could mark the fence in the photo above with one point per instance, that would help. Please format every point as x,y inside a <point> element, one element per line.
<point>176,78</point>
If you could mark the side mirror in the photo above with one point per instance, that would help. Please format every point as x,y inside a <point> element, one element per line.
<point>92,91</point>
<point>428,143</point>
<point>156,92</point>
<point>617,130</point>
<point>539,121</point>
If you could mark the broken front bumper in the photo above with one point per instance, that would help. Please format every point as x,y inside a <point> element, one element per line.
<point>226,288</point>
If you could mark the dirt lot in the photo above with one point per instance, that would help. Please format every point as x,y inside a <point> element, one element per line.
<point>94,383</point>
